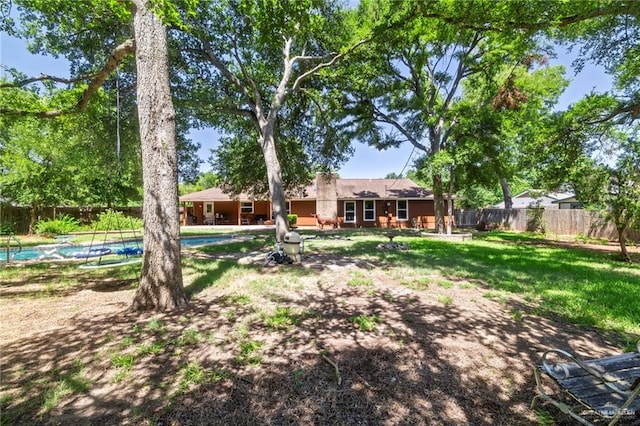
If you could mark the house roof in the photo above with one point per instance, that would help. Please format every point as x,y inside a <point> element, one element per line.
<point>538,193</point>
<point>570,199</point>
<point>380,188</point>
<point>346,189</point>
<point>212,194</point>
<point>533,197</point>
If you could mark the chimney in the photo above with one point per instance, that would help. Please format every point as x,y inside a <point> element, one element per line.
<point>327,195</point>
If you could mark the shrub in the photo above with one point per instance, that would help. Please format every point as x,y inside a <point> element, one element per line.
<point>111,220</point>
<point>8,227</point>
<point>61,225</point>
<point>535,221</point>
<point>293,219</point>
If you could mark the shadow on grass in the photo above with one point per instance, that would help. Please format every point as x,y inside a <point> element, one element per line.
<point>425,364</point>
<point>209,273</point>
<point>576,284</point>
<point>59,280</point>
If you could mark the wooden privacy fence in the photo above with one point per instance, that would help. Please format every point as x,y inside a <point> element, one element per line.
<point>557,221</point>
<point>17,218</point>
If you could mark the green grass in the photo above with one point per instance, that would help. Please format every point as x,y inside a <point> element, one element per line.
<point>587,288</point>
<point>282,319</point>
<point>365,322</point>
<point>193,374</point>
<point>250,353</point>
<point>445,299</point>
<point>584,287</point>
<point>123,363</point>
<point>71,382</point>
<point>189,337</point>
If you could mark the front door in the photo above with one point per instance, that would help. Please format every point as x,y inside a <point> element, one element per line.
<point>209,218</point>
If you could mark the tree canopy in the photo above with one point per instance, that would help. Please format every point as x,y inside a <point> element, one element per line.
<point>255,71</point>
<point>290,87</point>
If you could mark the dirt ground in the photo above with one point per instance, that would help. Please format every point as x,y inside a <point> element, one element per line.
<point>443,352</point>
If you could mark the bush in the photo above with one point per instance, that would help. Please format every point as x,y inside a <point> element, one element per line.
<point>292,218</point>
<point>535,221</point>
<point>112,220</point>
<point>8,227</point>
<point>61,225</point>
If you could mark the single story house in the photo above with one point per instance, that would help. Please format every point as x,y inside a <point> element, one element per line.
<point>532,198</point>
<point>349,202</point>
<point>570,202</point>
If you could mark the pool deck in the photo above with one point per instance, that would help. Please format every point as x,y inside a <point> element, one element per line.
<point>233,228</point>
<point>226,228</point>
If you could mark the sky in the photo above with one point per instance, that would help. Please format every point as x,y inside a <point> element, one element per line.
<point>365,163</point>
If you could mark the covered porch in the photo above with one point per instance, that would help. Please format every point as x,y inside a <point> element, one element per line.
<point>225,212</point>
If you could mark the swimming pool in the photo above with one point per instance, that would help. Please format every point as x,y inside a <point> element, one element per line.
<point>62,251</point>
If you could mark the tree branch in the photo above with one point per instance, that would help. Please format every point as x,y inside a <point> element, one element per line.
<point>615,8</point>
<point>318,67</point>
<point>247,77</point>
<point>97,80</point>
<point>224,70</point>
<point>281,90</point>
<point>45,77</point>
<point>384,118</point>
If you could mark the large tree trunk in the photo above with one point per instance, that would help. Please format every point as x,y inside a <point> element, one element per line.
<point>161,285</point>
<point>33,216</point>
<point>450,199</point>
<point>622,238</point>
<point>438,187</point>
<point>438,202</point>
<point>274,175</point>
<point>506,193</point>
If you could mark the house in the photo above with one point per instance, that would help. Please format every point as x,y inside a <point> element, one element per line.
<point>350,202</point>
<point>537,198</point>
<point>570,202</point>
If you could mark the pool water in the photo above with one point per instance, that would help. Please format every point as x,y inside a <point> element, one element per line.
<point>67,250</point>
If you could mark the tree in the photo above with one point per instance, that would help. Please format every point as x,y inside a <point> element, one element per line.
<point>204,181</point>
<point>75,33</point>
<point>161,286</point>
<point>411,91</point>
<point>611,188</point>
<point>414,80</point>
<point>258,65</point>
<point>38,170</point>
<point>595,149</point>
<point>505,117</point>
<point>33,168</point>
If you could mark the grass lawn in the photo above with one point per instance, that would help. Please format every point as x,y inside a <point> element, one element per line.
<point>444,332</point>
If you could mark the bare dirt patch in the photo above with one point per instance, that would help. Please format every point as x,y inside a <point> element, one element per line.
<point>335,341</point>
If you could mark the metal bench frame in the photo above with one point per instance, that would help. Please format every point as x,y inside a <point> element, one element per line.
<point>616,378</point>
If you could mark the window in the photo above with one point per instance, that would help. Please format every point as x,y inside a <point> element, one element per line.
<point>350,212</point>
<point>246,207</point>
<point>402,209</point>
<point>209,208</point>
<point>369,210</point>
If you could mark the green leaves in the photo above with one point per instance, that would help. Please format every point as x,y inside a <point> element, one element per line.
<point>67,160</point>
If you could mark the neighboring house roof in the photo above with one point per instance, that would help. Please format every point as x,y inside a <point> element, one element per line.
<point>346,189</point>
<point>535,197</point>
<point>570,199</point>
